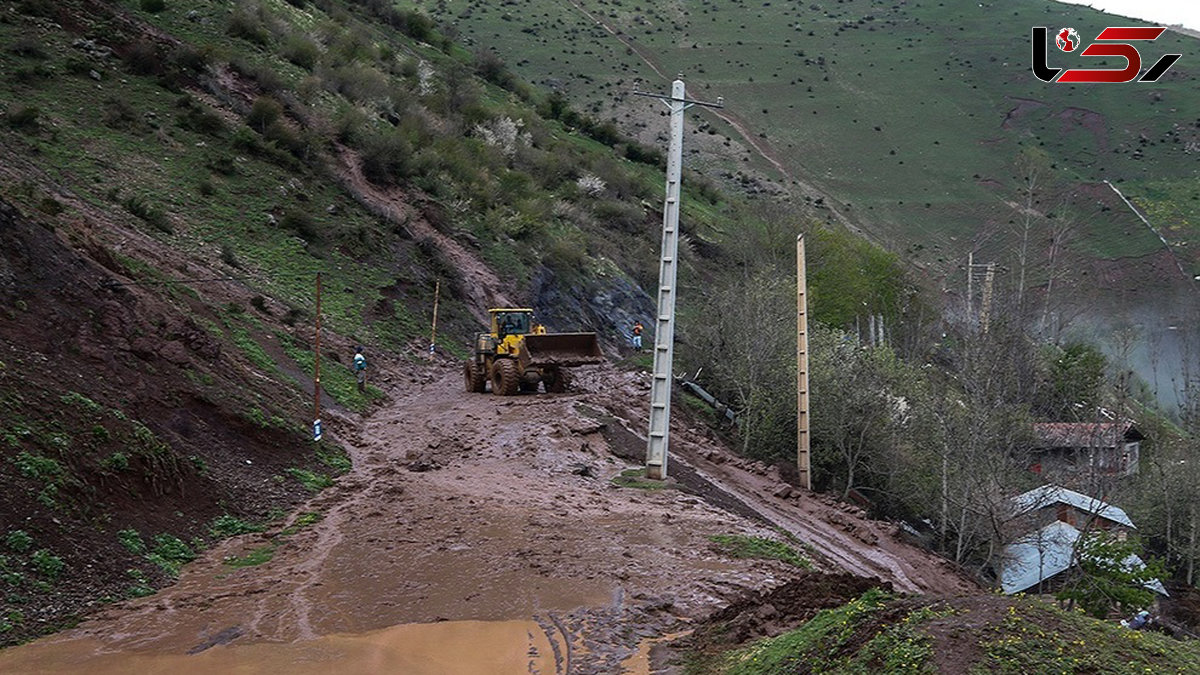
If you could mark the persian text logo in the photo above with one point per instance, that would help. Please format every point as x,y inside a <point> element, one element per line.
<point>1067,40</point>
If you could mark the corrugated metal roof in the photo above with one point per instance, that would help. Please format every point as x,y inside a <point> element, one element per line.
<point>1037,556</point>
<point>1048,495</point>
<point>1084,434</point>
<point>1047,552</point>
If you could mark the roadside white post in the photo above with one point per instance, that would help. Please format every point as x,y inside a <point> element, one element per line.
<point>664,329</point>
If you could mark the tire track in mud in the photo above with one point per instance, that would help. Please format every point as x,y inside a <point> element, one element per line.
<point>472,508</point>
<point>819,525</point>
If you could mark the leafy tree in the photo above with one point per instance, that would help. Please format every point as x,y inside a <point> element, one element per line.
<point>1108,577</point>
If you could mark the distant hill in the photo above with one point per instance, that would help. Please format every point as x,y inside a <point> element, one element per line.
<point>906,121</point>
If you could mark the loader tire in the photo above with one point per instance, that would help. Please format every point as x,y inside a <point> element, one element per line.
<point>474,378</point>
<point>505,378</point>
<point>559,382</point>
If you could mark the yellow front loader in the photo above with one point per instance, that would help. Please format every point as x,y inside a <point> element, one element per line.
<point>518,354</point>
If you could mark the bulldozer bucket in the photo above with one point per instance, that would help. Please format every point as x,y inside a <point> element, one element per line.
<point>562,349</point>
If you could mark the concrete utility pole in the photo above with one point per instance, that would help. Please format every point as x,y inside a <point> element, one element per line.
<point>989,274</point>
<point>317,369</point>
<point>802,459</point>
<point>986,312</point>
<point>664,329</point>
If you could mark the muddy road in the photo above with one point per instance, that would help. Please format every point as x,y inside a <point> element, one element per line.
<point>484,534</point>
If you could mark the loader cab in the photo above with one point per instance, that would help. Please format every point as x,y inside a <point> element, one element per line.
<point>511,322</point>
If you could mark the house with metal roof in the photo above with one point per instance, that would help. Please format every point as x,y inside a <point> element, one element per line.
<point>1046,524</point>
<point>1069,449</point>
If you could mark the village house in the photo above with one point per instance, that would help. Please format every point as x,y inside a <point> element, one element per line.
<point>1045,525</point>
<point>1067,450</point>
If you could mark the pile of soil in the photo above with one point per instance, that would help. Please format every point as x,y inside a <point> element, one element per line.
<point>770,612</point>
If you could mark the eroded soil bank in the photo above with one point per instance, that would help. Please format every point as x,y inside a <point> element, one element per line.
<point>487,533</point>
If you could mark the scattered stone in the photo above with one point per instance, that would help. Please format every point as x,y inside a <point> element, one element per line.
<point>783,491</point>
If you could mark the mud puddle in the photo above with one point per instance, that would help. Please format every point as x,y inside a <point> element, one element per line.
<point>461,647</point>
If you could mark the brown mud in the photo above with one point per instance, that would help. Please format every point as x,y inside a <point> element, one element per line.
<point>475,508</point>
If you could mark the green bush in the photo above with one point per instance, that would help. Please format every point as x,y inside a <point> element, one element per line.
<point>25,118</point>
<point>264,111</point>
<point>302,224</point>
<point>387,158</point>
<point>29,48</point>
<point>226,525</point>
<point>47,564</point>
<point>118,461</point>
<point>143,58</point>
<point>132,541</point>
<point>170,553</point>
<point>246,23</point>
<point>152,215</point>
<point>302,51</point>
<point>38,467</point>
<point>18,541</point>
<point>118,114</point>
<point>153,6</point>
<point>314,482</point>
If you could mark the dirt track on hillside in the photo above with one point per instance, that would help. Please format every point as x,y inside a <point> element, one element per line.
<point>473,507</point>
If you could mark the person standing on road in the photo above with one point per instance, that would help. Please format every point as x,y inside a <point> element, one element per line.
<point>637,336</point>
<point>360,369</point>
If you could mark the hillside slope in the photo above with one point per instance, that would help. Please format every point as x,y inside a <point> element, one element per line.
<point>920,126</point>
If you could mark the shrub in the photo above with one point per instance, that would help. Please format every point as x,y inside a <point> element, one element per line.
<point>264,111</point>
<point>153,6</point>
<point>170,553</point>
<point>301,223</point>
<point>132,541</point>
<point>188,59</point>
<point>28,47</point>
<point>245,23</point>
<point>228,256</point>
<point>260,303</point>
<point>302,51</point>
<point>620,215</point>
<point>118,114</point>
<point>118,461</point>
<point>314,482</point>
<point>143,58</point>
<point>226,525</point>
<point>222,164</point>
<point>38,467</point>
<point>47,564</point>
<point>387,158</point>
<point>149,213</point>
<point>46,8</point>
<point>25,118</point>
<point>206,188</point>
<point>18,541</point>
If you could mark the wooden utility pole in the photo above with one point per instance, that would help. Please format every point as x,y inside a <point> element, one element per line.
<point>317,369</point>
<point>437,289</point>
<point>802,458</point>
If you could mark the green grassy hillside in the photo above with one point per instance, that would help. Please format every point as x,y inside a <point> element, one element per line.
<point>881,633</point>
<point>910,116</point>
